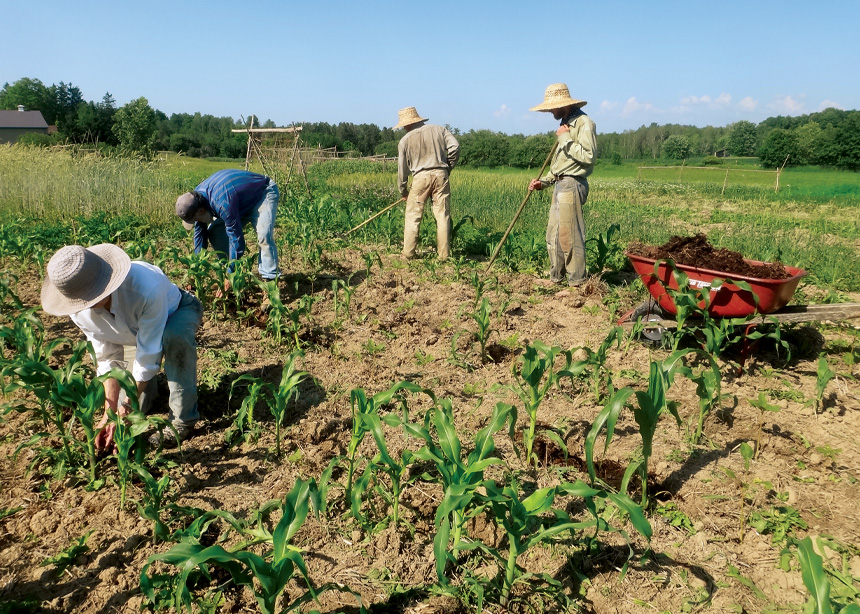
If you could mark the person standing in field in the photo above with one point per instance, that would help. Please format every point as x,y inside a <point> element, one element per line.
<point>117,303</point>
<point>222,204</point>
<point>571,165</point>
<point>427,152</point>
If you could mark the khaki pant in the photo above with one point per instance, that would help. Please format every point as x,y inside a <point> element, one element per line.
<point>429,184</point>
<point>565,232</point>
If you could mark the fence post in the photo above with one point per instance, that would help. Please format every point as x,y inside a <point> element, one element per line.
<point>725,181</point>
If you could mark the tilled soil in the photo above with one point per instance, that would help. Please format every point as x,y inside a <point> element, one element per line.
<point>402,324</point>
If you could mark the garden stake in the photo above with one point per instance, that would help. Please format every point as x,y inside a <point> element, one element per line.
<point>520,210</point>
<point>373,217</point>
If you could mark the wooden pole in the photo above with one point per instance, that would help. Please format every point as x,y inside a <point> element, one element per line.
<point>725,181</point>
<point>520,210</point>
<point>248,152</point>
<point>373,217</point>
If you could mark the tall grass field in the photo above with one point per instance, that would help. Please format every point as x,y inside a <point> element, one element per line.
<point>813,222</point>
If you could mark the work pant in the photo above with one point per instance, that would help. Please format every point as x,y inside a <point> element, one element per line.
<point>429,184</point>
<point>180,363</point>
<point>262,216</point>
<point>565,232</point>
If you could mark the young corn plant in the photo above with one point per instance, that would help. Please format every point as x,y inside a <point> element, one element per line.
<point>267,576</point>
<point>532,520</point>
<point>396,471</point>
<point>362,408</point>
<point>764,407</point>
<point>823,376</point>
<point>336,286</point>
<point>534,375</point>
<point>150,508</point>
<point>649,407</point>
<point>276,398</point>
<point>245,427</point>
<point>483,319</point>
<point>277,313</point>
<point>458,476</point>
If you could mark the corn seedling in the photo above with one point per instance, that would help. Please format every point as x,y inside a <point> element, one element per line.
<point>534,374</point>
<point>762,404</point>
<point>363,407</point>
<point>382,463</point>
<point>151,506</point>
<point>607,250</point>
<point>277,398</point>
<point>823,376</point>
<point>68,557</point>
<point>649,407</point>
<point>458,476</point>
<point>277,312</point>
<point>482,317</point>
<point>336,286</point>
<point>531,521</point>
<point>266,576</point>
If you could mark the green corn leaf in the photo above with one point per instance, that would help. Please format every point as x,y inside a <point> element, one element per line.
<point>814,577</point>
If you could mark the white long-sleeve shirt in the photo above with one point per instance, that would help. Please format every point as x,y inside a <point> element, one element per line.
<point>138,313</point>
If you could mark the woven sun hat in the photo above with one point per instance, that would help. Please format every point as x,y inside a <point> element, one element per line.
<point>407,117</point>
<point>557,96</point>
<point>78,277</point>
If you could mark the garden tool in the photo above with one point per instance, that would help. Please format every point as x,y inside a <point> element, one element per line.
<point>373,217</point>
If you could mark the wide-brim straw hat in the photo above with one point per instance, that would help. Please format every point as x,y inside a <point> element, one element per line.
<point>78,277</point>
<point>407,117</point>
<point>557,96</point>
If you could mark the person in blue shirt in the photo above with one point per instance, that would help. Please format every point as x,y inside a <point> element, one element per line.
<point>222,204</point>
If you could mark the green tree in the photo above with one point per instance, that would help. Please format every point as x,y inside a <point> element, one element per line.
<point>743,138</point>
<point>134,127</point>
<point>780,147</point>
<point>677,147</point>
<point>483,148</point>
<point>31,93</point>
<point>808,143</point>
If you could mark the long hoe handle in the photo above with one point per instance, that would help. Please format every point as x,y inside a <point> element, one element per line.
<point>373,217</point>
<point>520,210</point>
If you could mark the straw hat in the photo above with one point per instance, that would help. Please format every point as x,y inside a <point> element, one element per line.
<point>407,117</point>
<point>79,277</point>
<point>557,96</point>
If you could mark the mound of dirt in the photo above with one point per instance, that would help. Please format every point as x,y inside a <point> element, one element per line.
<point>697,251</point>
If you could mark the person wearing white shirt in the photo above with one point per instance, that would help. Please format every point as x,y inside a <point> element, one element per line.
<point>118,303</point>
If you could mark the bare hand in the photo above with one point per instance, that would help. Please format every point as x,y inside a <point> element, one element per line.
<point>104,437</point>
<point>562,129</point>
<point>219,293</point>
<point>535,184</point>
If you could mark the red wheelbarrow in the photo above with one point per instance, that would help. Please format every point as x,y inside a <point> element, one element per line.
<point>767,305</point>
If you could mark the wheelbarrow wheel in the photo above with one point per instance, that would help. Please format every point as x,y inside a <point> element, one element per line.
<point>649,311</point>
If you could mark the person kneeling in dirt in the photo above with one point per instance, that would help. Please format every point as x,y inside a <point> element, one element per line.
<point>116,303</point>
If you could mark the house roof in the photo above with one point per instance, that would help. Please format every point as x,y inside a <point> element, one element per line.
<point>22,119</point>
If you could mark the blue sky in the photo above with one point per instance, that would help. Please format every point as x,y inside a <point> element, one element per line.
<point>472,65</point>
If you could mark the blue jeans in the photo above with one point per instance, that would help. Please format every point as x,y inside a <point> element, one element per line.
<point>180,363</point>
<point>262,216</point>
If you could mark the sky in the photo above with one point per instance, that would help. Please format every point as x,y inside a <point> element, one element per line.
<point>471,65</point>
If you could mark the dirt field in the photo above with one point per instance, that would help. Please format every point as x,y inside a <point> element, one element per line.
<point>402,323</point>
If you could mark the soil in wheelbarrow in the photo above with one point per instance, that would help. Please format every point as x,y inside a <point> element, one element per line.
<point>697,251</point>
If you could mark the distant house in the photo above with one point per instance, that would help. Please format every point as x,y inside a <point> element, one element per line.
<point>15,123</point>
<point>722,153</point>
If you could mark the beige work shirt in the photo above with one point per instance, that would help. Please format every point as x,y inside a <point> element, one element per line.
<point>429,147</point>
<point>577,148</point>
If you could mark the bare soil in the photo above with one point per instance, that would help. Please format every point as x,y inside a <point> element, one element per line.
<point>403,320</point>
<point>697,251</point>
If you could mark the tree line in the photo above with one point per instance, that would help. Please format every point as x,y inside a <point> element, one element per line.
<point>829,138</point>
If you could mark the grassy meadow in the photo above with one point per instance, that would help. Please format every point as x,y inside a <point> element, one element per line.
<point>812,222</point>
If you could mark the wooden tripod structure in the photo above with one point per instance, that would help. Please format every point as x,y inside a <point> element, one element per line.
<point>267,145</point>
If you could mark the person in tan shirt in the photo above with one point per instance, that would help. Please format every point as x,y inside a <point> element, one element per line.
<point>427,152</point>
<point>571,165</point>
